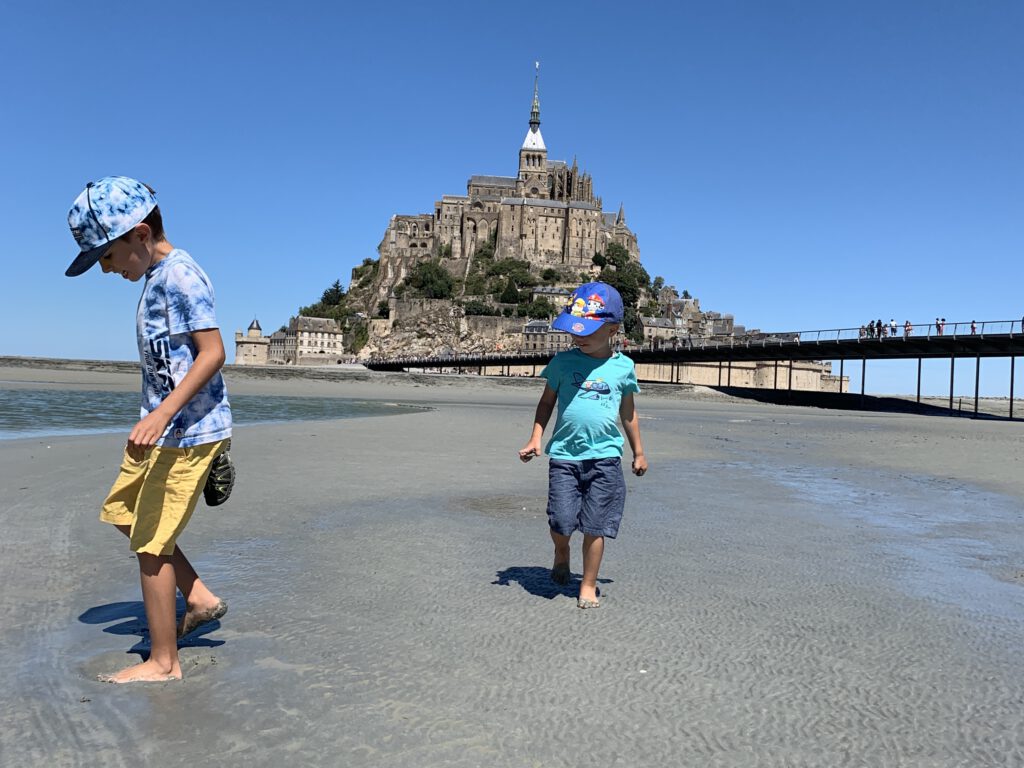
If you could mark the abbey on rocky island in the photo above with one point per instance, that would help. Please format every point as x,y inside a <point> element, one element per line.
<point>547,215</point>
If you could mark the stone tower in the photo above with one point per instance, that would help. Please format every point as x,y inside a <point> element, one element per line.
<point>533,155</point>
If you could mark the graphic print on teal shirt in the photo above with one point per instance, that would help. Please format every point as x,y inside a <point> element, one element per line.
<point>177,300</point>
<point>589,392</point>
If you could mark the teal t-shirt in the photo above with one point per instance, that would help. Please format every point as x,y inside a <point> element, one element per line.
<point>589,393</point>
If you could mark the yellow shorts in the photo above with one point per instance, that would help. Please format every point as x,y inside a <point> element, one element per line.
<point>156,496</point>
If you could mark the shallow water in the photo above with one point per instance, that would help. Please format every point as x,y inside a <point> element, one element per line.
<point>958,543</point>
<point>42,412</point>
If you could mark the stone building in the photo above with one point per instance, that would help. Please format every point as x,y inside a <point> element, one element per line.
<point>306,341</point>
<point>658,329</point>
<point>539,336</point>
<point>253,347</point>
<point>313,341</point>
<point>558,297</point>
<point>546,214</point>
<point>275,355</point>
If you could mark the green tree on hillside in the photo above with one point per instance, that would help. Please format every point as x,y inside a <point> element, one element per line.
<point>510,294</point>
<point>631,280</point>
<point>332,304</point>
<point>540,309</point>
<point>334,295</point>
<point>431,281</point>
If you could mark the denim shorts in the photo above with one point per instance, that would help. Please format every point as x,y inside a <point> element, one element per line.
<point>587,496</point>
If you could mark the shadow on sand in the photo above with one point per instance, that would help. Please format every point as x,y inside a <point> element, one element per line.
<point>537,581</point>
<point>852,401</point>
<point>129,618</point>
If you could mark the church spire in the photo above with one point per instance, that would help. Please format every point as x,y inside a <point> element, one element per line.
<point>534,141</point>
<point>535,109</point>
<point>621,218</point>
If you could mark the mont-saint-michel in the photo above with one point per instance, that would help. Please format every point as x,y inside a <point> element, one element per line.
<point>507,251</point>
<point>487,271</point>
<point>547,215</point>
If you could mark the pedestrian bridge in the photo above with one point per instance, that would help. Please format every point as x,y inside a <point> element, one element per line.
<point>991,338</point>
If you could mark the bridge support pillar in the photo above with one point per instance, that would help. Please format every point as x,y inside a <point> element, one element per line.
<point>1012,361</point>
<point>775,383</point>
<point>789,386</point>
<point>919,381</point>
<point>728,375</point>
<point>952,372</point>
<point>863,376</point>
<point>841,361</point>
<point>719,373</point>
<point>977,379</point>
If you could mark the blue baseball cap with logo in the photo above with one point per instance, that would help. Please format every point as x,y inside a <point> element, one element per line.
<point>105,210</point>
<point>590,306</point>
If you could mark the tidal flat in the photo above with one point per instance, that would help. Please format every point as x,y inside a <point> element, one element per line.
<point>790,587</point>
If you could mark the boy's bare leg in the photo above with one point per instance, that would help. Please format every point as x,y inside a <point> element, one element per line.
<point>593,551</point>
<point>198,598</point>
<point>560,568</point>
<point>158,596</point>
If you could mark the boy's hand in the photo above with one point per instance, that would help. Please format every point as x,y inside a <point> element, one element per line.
<point>145,434</point>
<point>640,465</point>
<point>532,449</point>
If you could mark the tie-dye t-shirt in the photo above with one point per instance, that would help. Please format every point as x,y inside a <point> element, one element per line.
<point>177,300</point>
<point>590,391</point>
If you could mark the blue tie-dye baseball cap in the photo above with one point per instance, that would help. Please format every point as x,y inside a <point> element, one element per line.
<point>105,210</point>
<point>590,306</point>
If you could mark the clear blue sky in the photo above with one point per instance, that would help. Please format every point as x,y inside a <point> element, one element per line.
<point>799,165</point>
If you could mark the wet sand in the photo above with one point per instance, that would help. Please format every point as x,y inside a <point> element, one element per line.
<point>791,587</point>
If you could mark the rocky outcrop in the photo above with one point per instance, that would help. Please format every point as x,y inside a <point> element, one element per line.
<point>426,327</point>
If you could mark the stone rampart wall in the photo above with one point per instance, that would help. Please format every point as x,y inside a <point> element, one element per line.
<point>497,328</point>
<point>807,376</point>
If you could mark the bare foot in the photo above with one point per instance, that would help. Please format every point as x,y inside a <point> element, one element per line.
<point>195,616</point>
<point>560,573</point>
<point>588,595</point>
<point>146,672</point>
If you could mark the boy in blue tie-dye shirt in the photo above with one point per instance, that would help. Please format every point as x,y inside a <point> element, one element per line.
<point>185,416</point>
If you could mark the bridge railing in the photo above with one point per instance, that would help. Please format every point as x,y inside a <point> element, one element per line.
<point>780,338</point>
<point>818,336</point>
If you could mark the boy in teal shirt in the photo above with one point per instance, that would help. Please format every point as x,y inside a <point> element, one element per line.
<point>591,386</point>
